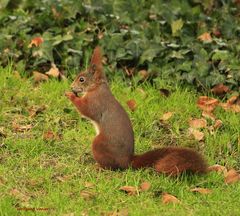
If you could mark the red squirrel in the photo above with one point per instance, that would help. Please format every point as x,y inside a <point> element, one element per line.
<point>113,146</point>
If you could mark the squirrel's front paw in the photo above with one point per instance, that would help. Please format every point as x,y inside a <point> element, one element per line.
<point>70,95</point>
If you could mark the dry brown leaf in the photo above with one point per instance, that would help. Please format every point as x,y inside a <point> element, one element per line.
<point>35,110</point>
<point>198,123</point>
<point>208,115</point>
<point>201,190</point>
<point>217,168</point>
<point>207,104</point>
<point>235,108</point>
<point>121,212</point>
<point>168,198</point>
<point>88,185</point>
<point>205,37</point>
<point>2,132</point>
<point>232,100</point>
<point>63,178</point>
<point>50,135</point>
<point>131,190</point>
<point>232,176</point>
<point>218,123</point>
<point>166,116</point>
<point>132,105</point>
<point>37,41</point>
<point>145,186</point>
<point>53,72</point>
<point>143,74</point>
<point>21,128</point>
<point>198,135</point>
<point>19,195</point>
<point>39,77</point>
<point>220,90</point>
<point>233,104</point>
<point>87,195</point>
<point>100,35</point>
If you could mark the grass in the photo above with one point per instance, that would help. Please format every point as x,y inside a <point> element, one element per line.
<point>52,176</point>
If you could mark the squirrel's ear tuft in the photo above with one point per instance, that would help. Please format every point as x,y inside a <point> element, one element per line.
<point>97,57</point>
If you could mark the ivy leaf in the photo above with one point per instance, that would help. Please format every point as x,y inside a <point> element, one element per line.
<point>176,27</point>
<point>149,54</point>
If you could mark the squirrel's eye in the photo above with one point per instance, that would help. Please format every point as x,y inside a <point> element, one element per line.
<point>81,79</point>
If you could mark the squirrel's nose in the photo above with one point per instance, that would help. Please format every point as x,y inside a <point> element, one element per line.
<point>76,90</point>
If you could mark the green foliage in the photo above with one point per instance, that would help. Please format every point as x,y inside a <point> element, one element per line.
<point>160,36</point>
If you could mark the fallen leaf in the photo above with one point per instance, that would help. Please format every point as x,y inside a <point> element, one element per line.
<point>217,168</point>
<point>2,132</point>
<point>35,110</point>
<point>100,35</point>
<point>19,195</point>
<point>208,115</point>
<point>201,190</point>
<point>218,123</point>
<point>205,37</point>
<point>118,212</point>
<point>232,176</point>
<point>198,135</point>
<point>21,128</point>
<point>39,77</point>
<point>53,72</point>
<point>63,178</point>
<point>166,116</point>
<point>131,190</point>
<point>50,135</point>
<point>143,74</point>
<point>87,195</point>
<point>37,41</point>
<point>207,104</point>
<point>132,105</point>
<point>88,185</point>
<point>220,90</point>
<point>145,186</point>
<point>235,108</point>
<point>198,123</point>
<point>232,100</point>
<point>233,104</point>
<point>168,198</point>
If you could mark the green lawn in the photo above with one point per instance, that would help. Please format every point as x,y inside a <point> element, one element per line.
<point>54,175</point>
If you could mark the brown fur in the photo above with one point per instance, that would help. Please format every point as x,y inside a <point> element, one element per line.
<point>171,161</point>
<point>113,147</point>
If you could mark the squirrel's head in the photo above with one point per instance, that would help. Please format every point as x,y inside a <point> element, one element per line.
<point>92,77</point>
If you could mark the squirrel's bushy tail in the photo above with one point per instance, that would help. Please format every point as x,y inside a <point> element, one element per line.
<point>171,161</point>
